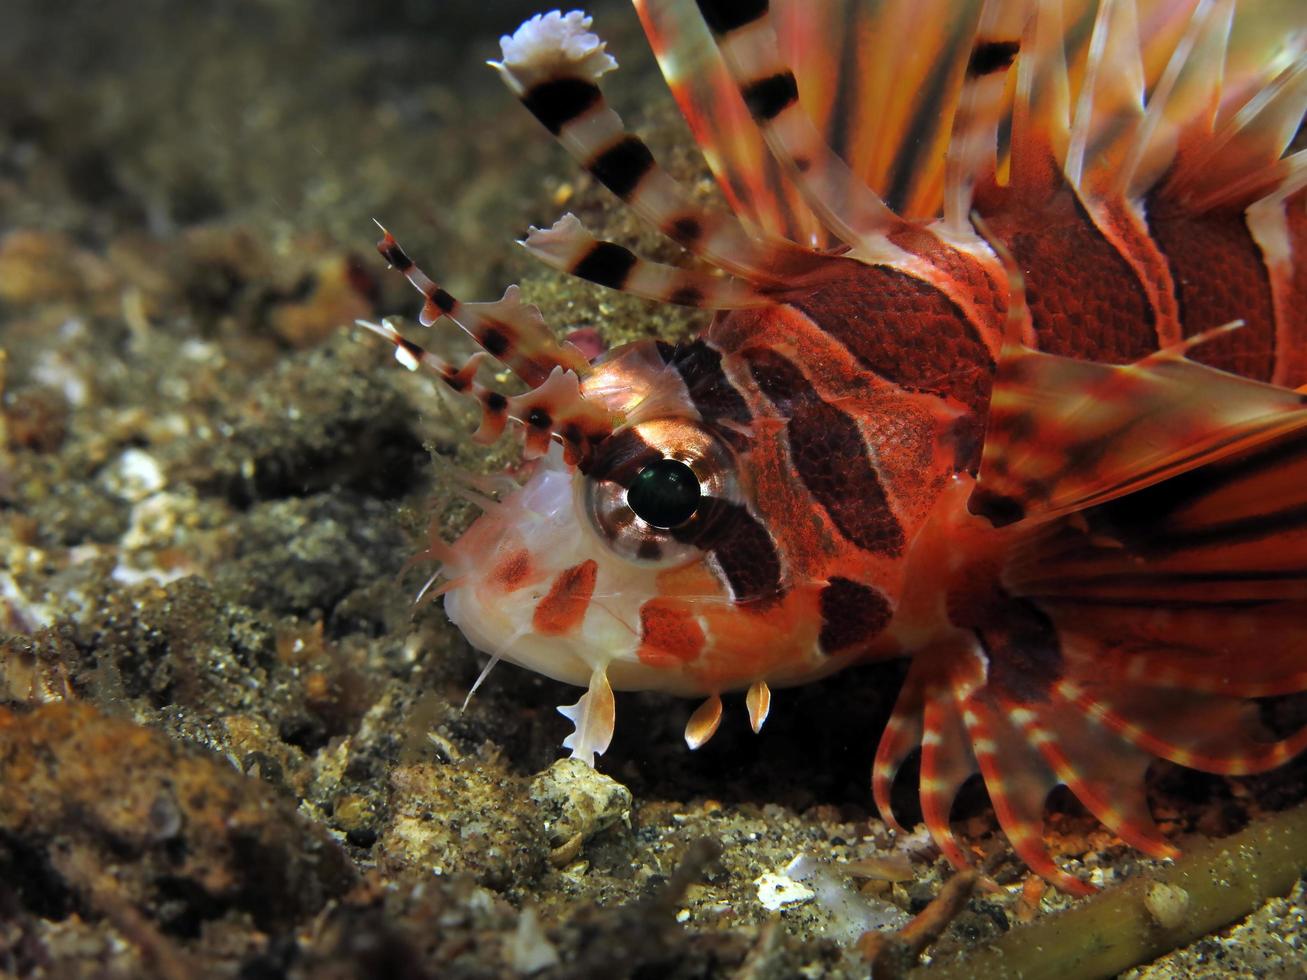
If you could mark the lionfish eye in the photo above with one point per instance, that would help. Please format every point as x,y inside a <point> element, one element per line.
<point>650,489</point>
<point>664,494</point>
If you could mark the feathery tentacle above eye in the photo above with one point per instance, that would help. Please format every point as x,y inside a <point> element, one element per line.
<point>553,64</point>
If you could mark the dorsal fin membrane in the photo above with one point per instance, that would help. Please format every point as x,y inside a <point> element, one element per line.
<point>1041,113</point>
<point>749,46</point>
<point>1111,100</point>
<point>972,155</point>
<point>755,185</point>
<point>879,82</point>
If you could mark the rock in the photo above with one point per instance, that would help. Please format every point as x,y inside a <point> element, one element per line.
<point>577,800</point>
<point>111,812</point>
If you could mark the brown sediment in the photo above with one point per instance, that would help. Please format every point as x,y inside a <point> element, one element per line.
<point>1215,883</point>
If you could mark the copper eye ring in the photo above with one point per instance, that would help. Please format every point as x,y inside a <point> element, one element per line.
<point>675,453</point>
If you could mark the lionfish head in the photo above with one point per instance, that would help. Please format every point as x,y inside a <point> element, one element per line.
<point>634,557</point>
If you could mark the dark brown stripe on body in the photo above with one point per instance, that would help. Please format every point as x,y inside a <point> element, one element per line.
<point>903,330</point>
<point>741,545</point>
<point>1219,276</point>
<point>1085,300</point>
<point>560,100</point>
<point>829,456</point>
<point>851,614</point>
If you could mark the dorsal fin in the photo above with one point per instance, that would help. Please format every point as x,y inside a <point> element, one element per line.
<point>846,206</point>
<point>553,64</point>
<point>755,185</point>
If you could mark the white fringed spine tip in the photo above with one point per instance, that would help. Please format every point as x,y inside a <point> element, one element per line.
<point>547,43</point>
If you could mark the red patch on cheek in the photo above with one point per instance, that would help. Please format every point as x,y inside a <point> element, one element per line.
<point>512,571</point>
<point>669,634</point>
<point>562,610</point>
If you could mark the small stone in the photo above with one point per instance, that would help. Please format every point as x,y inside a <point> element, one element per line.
<point>576,799</point>
<point>1167,904</point>
<point>778,891</point>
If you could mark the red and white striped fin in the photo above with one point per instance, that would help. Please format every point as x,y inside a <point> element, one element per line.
<point>1018,783</point>
<point>846,206</point>
<point>494,406</point>
<point>568,247</point>
<point>928,713</point>
<point>1103,771</point>
<point>553,65</point>
<point>553,410</point>
<point>1066,434</point>
<point>1209,732</point>
<point>755,185</point>
<point>507,329</point>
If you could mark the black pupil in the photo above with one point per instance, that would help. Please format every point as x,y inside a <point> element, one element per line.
<point>664,494</point>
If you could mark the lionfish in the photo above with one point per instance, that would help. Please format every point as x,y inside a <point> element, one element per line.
<point>1006,377</point>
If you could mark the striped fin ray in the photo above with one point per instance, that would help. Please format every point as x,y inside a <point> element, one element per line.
<point>972,154</point>
<point>1065,434</point>
<point>553,66</point>
<point>927,715</point>
<point>494,406</point>
<point>568,247</point>
<point>879,82</point>
<point>756,187</point>
<point>553,410</point>
<point>1018,784</point>
<point>507,329</point>
<point>845,205</point>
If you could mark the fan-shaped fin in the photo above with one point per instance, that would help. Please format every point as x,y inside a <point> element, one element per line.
<point>1018,782</point>
<point>1065,434</point>
<point>901,736</point>
<point>946,763</point>
<point>1210,732</point>
<point>1104,772</point>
